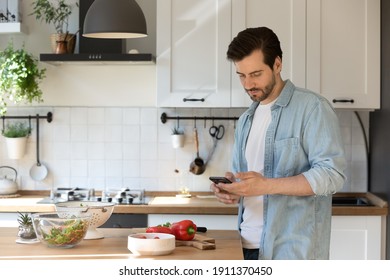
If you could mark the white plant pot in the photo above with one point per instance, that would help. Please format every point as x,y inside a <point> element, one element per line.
<point>177,140</point>
<point>16,147</point>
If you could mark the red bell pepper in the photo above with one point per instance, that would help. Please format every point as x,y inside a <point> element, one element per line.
<point>184,230</point>
<point>159,229</point>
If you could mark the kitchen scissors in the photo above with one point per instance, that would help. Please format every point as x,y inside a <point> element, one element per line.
<point>217,132</point>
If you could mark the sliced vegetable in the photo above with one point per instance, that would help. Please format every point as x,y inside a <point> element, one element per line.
<point>159,229</point>
<point>184,230</point>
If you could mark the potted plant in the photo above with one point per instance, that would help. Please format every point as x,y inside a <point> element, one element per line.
<point>16,135</point>
<point>26,228</point>
<point>177,138</point>
<point>19,77</point>
<point>56,12</point>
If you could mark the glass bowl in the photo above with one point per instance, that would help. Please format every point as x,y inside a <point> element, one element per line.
<point>61,231</point>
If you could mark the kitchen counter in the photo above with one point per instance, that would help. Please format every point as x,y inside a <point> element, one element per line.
<point>204,204</point>
<point>114,246</point>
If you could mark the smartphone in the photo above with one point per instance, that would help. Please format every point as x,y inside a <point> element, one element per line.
<point>217,180</point>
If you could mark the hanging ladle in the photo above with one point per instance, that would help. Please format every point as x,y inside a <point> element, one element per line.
<point>38,171</point>
<point>198,166</point>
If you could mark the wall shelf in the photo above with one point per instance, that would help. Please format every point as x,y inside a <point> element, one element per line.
<point>12,28</point>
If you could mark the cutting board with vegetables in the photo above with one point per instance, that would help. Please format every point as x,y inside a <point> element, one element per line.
<point>200,242</point>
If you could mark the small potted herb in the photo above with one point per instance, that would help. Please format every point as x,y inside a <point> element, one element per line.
<point>177,138</point>
<point>19,77</point>
<point>16,135</point>
<point>26,228</point>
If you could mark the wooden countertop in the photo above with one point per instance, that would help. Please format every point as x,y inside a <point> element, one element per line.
<point>114,246</point>
<point>204,204</point>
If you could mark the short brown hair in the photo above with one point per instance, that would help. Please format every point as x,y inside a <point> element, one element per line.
<point>256,38</point>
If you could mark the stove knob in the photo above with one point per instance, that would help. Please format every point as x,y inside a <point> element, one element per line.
<point>99,199</point>
<point>130,200</point>
<point>120,199</point>
<point>109,199</point>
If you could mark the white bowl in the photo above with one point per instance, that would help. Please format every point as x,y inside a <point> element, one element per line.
<point>151,244</point>
<point>100,212</point>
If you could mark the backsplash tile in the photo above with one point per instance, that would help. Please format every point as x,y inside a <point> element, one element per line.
<point>114,147</point>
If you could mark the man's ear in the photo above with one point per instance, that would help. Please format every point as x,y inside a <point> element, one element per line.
<point>278,65</point>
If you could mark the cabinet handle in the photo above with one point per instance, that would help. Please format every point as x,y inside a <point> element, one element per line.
<point>193,99</point>
<point>343,100</point>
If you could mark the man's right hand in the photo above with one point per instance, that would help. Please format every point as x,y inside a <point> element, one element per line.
<point>222,195</point>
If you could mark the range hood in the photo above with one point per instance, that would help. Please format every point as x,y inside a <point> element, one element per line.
<point>100,51</point>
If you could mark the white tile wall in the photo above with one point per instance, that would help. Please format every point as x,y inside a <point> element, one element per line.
<point>130,147</point>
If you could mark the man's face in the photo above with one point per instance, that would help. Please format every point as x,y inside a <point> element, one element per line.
<point>257,78</point>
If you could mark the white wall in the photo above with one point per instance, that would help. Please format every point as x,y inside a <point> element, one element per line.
<point>114,147</point>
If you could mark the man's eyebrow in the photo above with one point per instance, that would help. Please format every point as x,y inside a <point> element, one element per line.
<point>251,73</point>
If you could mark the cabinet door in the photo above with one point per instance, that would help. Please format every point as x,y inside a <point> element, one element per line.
<point>287,18</point>
<point>343,51</point>
<point>192,38</point>
<point>357,238</point>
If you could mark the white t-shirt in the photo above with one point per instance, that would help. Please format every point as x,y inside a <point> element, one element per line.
<point>252,223</point>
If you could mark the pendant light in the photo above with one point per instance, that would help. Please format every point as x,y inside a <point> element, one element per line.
<point>114,19</point>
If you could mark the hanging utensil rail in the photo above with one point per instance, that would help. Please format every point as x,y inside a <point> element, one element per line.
<point>164,117</point>
<point>49,117</point>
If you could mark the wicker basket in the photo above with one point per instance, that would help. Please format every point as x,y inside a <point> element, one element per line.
<point>70,41</point>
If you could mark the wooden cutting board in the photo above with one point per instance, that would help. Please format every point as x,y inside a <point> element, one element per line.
<point>200,242</point>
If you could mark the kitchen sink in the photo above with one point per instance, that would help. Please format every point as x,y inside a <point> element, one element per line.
<point>350,201</point>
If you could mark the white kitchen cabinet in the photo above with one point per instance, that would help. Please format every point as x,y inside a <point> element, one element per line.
<point>329,46</point>
<point>343,52</point>
<point>358,238</point>
<point>192,39</point>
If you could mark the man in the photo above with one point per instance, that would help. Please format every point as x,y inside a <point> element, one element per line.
<point>288,157</point>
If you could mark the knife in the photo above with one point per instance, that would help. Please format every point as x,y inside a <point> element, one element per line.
<point>201,229</point>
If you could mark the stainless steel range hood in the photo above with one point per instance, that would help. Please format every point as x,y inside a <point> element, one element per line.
<point>99,51</point>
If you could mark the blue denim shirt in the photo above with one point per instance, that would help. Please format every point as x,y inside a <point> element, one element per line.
<point>303,137</point>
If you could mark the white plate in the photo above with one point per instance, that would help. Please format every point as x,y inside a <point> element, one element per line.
<point>27,241</point>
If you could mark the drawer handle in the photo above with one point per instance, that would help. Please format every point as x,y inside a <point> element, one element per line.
<point>193,99</point>
<point>343,100</point>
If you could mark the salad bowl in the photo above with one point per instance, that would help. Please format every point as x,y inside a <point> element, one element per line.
<point>60,231</point>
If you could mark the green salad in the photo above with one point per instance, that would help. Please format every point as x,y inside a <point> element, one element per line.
<point>73,231</point>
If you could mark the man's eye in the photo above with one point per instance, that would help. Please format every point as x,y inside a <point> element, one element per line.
<point>256,74</point>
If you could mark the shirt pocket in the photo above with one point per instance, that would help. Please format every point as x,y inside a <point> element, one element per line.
<point>286,157</point>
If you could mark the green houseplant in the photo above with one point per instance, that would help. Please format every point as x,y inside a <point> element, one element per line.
<point>56,12</point>
<point>26,228</point>
<point>16,135</point>
<point>19,77</point>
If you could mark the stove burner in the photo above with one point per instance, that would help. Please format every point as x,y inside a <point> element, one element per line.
<point>123,196</point>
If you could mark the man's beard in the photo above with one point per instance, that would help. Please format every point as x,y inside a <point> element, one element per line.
<point>266,92</point>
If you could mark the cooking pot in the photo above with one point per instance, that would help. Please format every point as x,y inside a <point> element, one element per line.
<point>8,186</point>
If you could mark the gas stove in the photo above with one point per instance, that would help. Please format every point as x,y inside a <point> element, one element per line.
<point>123,196</point>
